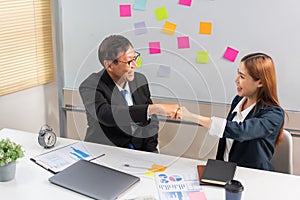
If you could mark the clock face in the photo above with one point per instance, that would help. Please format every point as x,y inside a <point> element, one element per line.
<point>49,139</point>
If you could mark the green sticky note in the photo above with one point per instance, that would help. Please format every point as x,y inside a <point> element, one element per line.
<point>139,62</point>
<point>161,13</point>
<point>202,57</point>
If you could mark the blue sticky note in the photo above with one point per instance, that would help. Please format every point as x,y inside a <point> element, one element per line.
<point>139,4</point>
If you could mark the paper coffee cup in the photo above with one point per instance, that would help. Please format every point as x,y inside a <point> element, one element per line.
<point>234,190</point>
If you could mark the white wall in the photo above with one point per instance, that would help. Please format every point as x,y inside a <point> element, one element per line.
<point>29,109</point>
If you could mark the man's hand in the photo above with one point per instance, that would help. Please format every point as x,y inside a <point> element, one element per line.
<point>168,110</point>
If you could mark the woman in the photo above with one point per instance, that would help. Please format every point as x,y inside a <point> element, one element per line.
<point>254,125</point>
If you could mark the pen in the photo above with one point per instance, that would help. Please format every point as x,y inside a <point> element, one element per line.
<point>127,165</point>
<point>97,157</point>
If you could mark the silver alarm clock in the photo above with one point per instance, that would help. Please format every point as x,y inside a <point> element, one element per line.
<point>47,137</point>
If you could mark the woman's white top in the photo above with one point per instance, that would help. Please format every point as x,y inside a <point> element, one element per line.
<point>218,125</point>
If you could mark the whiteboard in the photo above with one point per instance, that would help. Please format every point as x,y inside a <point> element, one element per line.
<point>247,26</point>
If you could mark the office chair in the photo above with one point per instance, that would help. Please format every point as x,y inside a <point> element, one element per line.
<point>283,156</point>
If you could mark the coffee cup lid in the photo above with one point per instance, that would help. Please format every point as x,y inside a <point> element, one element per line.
<point>234,186</point>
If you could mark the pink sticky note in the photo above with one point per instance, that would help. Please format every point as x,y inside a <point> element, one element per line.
<point>196,195</point>
<point>230,54</point>
<point>125,10</point>
<point>185,2</point>
<point>183,42</point>
<point>154,47</point>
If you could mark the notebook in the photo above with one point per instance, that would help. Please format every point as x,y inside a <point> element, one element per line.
<point>94,180</point>
<point>216,172</point>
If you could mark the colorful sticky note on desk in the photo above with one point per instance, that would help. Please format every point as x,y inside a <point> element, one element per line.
<point>155,168</point>
<point>169,28</point>
<point>196,195</point>
<point>154,48</point>
<point>125,10</point>
<point>158,168</point>
<point>139,4</point>
<point>161,13</point>
<point>183,42</point>
<point>205,28</point>
<point>230,54</point>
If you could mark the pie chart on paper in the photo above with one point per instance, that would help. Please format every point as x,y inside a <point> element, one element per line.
<point>175,178</point>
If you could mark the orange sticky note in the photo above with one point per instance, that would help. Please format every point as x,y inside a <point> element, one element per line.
<point>158,168</point>
<point>205,28</point>
<point>169,28</point>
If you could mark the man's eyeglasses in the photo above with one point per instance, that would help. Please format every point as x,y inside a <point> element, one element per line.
<point>137,55</point>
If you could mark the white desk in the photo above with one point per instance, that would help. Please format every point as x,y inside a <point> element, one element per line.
<point>31,181</point>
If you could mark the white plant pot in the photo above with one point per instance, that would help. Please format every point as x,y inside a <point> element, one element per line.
<point>7,172</point>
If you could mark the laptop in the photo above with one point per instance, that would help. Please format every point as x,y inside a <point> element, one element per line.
<point>94,180</point>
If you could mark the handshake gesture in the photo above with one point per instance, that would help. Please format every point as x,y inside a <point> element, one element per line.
<point>172,111</point>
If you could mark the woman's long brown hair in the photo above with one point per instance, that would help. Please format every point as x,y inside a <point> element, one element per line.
<point>261,67</point>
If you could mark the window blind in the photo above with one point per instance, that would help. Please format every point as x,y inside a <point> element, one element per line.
<point>26,50</point>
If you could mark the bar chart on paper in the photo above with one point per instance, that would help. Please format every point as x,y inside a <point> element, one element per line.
<point>61,158</point>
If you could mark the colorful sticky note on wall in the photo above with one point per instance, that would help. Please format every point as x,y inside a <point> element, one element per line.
<point>185,2</point>
<point>161,13</point>
<point>154,48</point>
<point>139,62</point>
<point>183,42</point>
<point>205,28</point>
<point>202,57</point>
<point>169,28</point>
<point>139,4</point>
<point>140,28</point>
<point>230,54</point>
<point>125,10</point>
<point>164,71</point>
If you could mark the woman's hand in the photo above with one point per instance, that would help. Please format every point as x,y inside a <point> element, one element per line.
<point>184,114</point>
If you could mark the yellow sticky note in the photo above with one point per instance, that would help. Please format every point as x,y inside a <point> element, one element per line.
<point>161,13</point>
<point>202,57</point>
<point>169,28</point>
<point>205,28</point>
<point>149,173</point>
<point>155,168</point>
<point>139,62</point>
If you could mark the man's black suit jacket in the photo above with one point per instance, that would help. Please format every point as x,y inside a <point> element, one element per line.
<point>109,119</point>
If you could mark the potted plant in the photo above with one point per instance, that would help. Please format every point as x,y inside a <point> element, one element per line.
<point>9,153</point>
